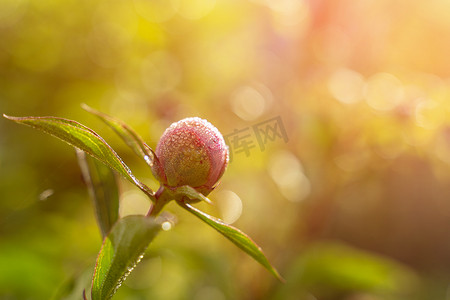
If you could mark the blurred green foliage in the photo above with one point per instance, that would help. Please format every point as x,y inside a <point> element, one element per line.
<point>362,89</point>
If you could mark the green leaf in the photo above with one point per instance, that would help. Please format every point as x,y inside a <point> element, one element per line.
<point>342,267</point>
<point>84,139</point>
<point>332,269</point>
<point>189,192</point>
<point>130,137</point>
<point>239,238</point>
<point>122,250</point>
<point>103,190</point>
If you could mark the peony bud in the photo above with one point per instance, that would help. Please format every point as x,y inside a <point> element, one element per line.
<point>191,152</point>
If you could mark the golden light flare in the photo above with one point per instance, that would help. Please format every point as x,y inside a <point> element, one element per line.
<point>229,204</point>
<point>383,91</point>
<point>346,85</point>
<point>250,102</point>
<point>286,171</point>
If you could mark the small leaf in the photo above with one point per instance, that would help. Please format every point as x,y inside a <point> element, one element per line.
<point>122,250</point>
<point>85,139</point>
<point>130,137</point>
<point>191,193</point>
<point>103,190</point>
<point>239,238</point>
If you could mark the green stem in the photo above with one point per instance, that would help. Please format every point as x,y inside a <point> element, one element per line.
<point>161,199</point>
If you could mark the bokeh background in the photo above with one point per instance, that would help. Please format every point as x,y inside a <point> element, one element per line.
<point>354,205</point>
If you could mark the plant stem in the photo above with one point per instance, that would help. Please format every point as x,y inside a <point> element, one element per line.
<point>161,199</point>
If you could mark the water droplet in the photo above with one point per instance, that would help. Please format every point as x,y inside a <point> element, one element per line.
<point>45,194</point>
<point>148,160</point>
<point>166,226</point>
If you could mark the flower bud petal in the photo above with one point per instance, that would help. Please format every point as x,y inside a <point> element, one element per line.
<point>191,152</point>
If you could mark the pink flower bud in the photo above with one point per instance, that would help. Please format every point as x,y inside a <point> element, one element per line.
<point>191,152</point>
